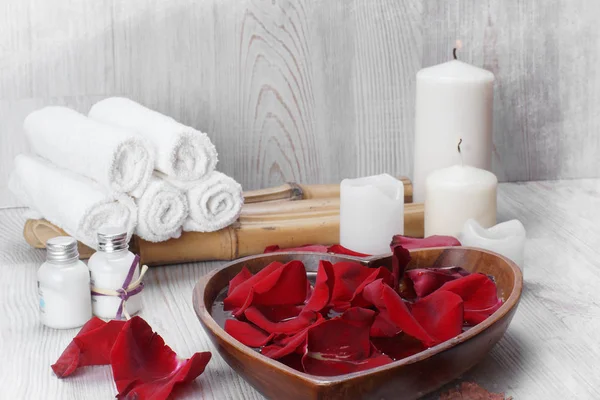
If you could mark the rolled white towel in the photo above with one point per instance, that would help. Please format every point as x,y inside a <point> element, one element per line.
<point>73,202</point>
<point>115,157</point>
<point>214,202</point>
<point>182,152</point>
<point>162,209</point>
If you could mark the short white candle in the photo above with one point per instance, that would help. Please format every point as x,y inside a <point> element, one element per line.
<point>453,100</point>
<point>455,194</point>
<point>371,213</point>
<point>507,239</point>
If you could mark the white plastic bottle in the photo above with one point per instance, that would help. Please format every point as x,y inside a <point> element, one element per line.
<point>109,267</point>
<point>64,286</point>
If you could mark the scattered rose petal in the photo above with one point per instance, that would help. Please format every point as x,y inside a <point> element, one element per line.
<point>479,294</point>
<point>339,249</point>
<point>237,280</point>
<point>431,241</point>
<point>472,391</point>
<point>440,314</point>
<point>246,333</point>
<point>91,346</point>
<point>144,367</point>
<point>321,294</point>
<point>288,327</point>
<point>400,259</point>
<point>428,280</point>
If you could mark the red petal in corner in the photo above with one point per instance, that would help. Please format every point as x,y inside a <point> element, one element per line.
<point>339,249</point>
<point>479,294</point>
<point>392,308</point>
<point>347,278</point>
<point>400,259</point>
<point>431,241</point>
<point>91,346</point>
<point>237,280</point>
<point>323,289</point>
<point>240,293</point>
<point>144,367</point>
<point>426,281</point>
<point>313,248</point>
<point>441,314</point>
<point>246,333</point>
<point>289,327</point>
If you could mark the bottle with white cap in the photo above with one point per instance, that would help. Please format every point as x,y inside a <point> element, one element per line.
<point>64,286</point>
<point>110,267</point>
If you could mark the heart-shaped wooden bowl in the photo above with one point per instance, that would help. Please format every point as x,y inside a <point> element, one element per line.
<point>408,378</point>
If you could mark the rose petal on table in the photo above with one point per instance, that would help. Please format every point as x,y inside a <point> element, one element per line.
<point>237,280</point>
<point>479,294</point>
<point>288,327</point>
<point>313,248</point>
<point>430,241</point>
<point>339,249</point>
<point>400,259</point>
<point>240,293</point>
<point>393,309</point>
<point>323,290</point>
<point>144,367</point>
<point>246,333</point>
<point>440,314</point>
<point>428,280</point>
<point>91,346</point>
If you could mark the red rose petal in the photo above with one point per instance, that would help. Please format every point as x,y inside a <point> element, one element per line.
<point>440,314</point>
<point>91,346</point>
<point>399,346</point>
<point>428,280</point>
<point>347,278</point>
<point>144,367</point>
<point>325,367</point>
<point>246,333</point>
<point>431,241</point>
<point>392,308</point>
<point>239,295</point>
<point>323,289</point>
<point>237,280</point>
<point>286,345</point>
<point>280,313</point>
<point>400,259</point>
<point>284,286</point>
<point>289,327</point>
<point>382,273</point>
<point>339,249</point>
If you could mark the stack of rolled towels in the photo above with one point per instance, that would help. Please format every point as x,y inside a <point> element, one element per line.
<point>122,165</point>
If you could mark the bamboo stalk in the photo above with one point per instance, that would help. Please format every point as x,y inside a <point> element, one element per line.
<point>295,191</point>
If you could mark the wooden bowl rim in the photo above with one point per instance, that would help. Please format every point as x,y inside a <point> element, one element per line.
<point>315,380</point>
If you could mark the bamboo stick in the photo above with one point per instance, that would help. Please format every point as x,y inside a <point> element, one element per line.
<point>295,191</point>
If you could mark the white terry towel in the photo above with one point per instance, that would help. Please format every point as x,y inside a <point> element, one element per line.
<point>215,202</point>
<point>182,152</point>
<point>115,157</point>
<point>162,209</point>
<point>73,202</point>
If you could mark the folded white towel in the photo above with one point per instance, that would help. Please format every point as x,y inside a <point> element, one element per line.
<point>162,209</point>
<point>182,152</point>
<point>73,202</point>
<point>214,202</point>
<point>115,157</point>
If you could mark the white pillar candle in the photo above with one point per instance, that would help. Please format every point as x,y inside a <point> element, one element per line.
<point>371,213</point>
<point>453,100</point>
<point>455,194</point>
<point>507,239</point>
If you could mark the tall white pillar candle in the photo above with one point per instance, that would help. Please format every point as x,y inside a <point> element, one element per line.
<point>371,213</point>
<point>458,193</point>
<point>453,100</point>
<point>507,239</point>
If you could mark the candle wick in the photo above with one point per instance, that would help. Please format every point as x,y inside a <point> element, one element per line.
<point>460,152</point>
<point>454,53</point>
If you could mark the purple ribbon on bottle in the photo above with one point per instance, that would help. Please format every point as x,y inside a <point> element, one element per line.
<point>122,292</point>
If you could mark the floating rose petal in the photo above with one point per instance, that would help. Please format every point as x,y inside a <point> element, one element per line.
<point>237,280</point>
<point>399,346</point>
<point>91,346</point>
<point>428,280</point>
<point>288,327</point>
<point>348,277</point>
<point>237,297</point>
<point>382,273</point>
<point>144,367</point>
<point>246,333</point>
<point>400,259</point>
<point>440,314</point>
<point>431,241</point>
<point>339,249</point>
<point>280,313</point>
<point>323,289</point>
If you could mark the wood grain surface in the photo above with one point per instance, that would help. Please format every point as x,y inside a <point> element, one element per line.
<point>307,90</point>
<point>550,350</point>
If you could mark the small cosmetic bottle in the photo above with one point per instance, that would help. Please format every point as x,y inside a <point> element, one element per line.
<point>109,268</point>
<point>64,286</point>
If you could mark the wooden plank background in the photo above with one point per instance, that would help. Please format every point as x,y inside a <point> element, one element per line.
<point>311,90</point>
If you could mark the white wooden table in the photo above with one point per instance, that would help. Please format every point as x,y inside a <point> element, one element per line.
<point>551,350</point>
